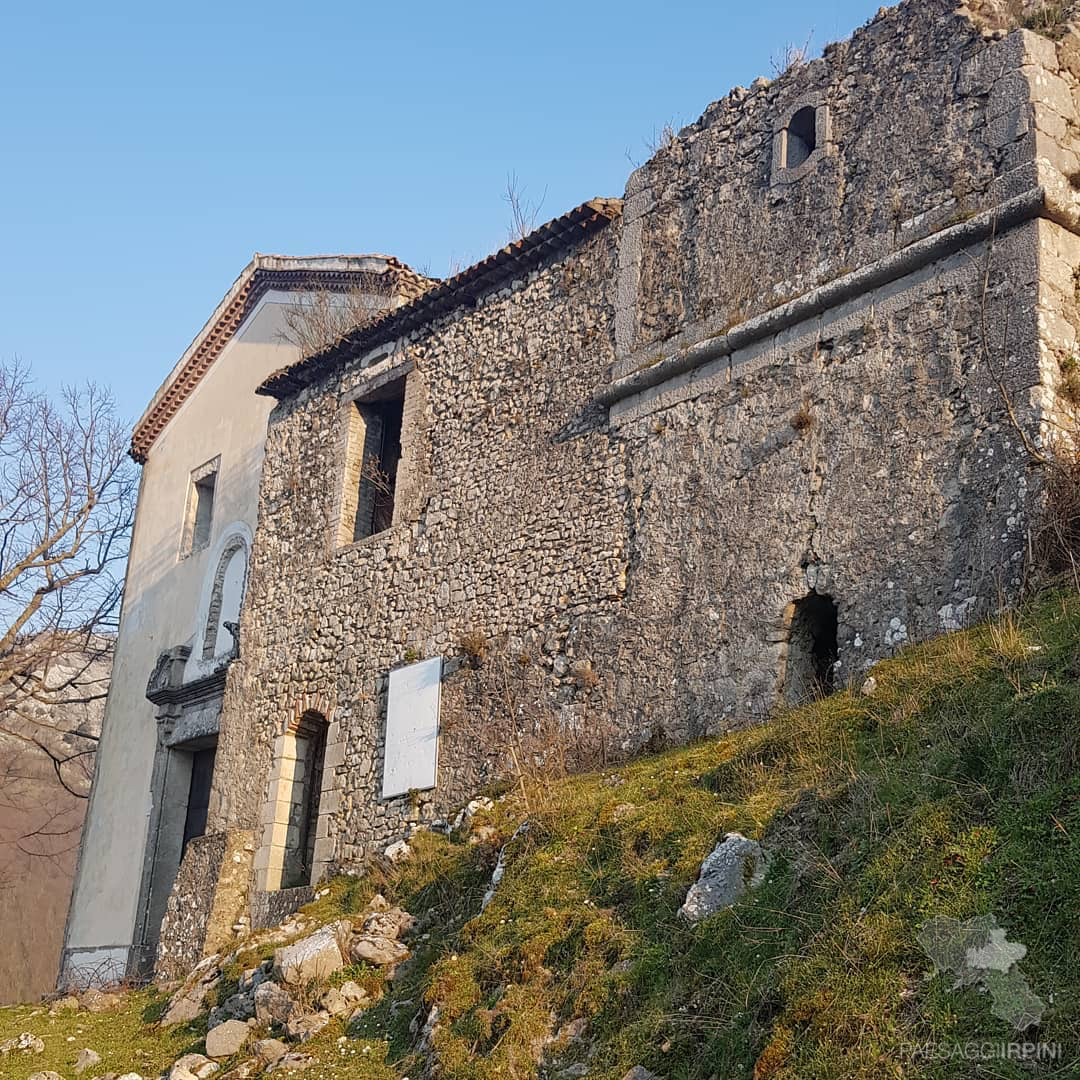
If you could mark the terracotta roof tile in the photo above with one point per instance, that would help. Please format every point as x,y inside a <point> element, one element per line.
<point>464,288</point>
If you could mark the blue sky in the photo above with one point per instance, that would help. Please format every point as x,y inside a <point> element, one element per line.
<point>150,149</point>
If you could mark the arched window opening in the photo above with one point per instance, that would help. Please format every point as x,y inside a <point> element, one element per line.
<point>812,649</point>
<point>305,791</point>
<point>801,137</point>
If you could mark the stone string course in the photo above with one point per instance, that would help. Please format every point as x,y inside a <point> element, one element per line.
<point>629,569</point>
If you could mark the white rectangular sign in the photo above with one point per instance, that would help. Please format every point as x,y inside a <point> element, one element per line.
<point>412,728</point>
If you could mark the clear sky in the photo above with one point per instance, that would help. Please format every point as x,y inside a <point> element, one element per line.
<point>149,149</point>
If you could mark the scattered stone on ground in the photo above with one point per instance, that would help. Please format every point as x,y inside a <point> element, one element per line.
<point>193,1067</point>
<point>47,1075</point>
<point>639,1072</point>
<point>314,958</point>
<point>394,923</point>
<point>269,1051</point>
<point>272,1004</point>
<point>398,851</point>
<point>66,1003</point>
<point>87,1059</point>
<point>466,815</point>
<point>188,1001</point>
<point>292,1063</point>
<point>381,951</point>
<point>734,865</point>
<point>96,1001</point>
<point>25,1043</point>
<point>239,1006</point>
<point>345,1000</point>
<point>301,1028</point>
<point>227,1039</point>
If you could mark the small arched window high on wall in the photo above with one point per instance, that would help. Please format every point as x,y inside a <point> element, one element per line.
<point>812,649</point>
<point>801,138</point>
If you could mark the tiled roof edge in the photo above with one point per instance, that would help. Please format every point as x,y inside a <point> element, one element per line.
<point>463,288</point>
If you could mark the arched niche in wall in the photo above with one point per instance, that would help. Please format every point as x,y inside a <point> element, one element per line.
<point>226,596</point>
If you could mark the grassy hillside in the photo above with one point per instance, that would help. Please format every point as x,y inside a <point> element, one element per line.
<point>952,789</point>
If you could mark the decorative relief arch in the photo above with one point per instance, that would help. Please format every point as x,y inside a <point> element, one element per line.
<point>306,703</point>
<point>226,595</point>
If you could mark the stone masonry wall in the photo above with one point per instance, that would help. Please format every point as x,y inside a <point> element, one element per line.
<point>520,521</point>
<point>923,128</point>
<point>621,472</point>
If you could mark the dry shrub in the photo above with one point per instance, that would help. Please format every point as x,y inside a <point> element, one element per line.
<point>474,645</point>
<point>803,420</point>
<point>529,738</point>
<point>1056,540</point>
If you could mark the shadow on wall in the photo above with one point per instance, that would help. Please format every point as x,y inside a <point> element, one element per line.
<point>39,834</point>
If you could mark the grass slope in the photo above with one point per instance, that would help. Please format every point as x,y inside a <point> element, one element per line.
<point>952,790</point>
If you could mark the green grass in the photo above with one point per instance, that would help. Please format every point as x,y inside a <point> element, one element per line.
<point>953,790</point>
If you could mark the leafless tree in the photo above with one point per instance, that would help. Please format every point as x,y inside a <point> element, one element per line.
<point>792,56</point>
<point>67,499</point>
<point>322,317</point>
<point>523,211</point>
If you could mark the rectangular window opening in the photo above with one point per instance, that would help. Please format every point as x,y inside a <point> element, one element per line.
<point>202,774</point>
<point>371,468</point>
<point>200,508</point>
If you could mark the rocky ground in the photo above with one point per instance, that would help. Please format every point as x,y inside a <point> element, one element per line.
<point>754,906</point>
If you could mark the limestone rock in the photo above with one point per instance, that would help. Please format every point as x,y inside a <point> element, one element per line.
<point>314,958</point>
<point>87,1059</point>
<point>381,951</point>
<point>734,864</point>
<point>26,1043</point>
<point>189,999</point>
<point>272,1004</point>
<point>378,903</point>
<point>474,807</point>
<point>96,1001</point>
<point>238,1007</point>
<point>48,1074</point>
<point>394,923</point>
<point>293,1063</point>
<point>301,1028</point>
<point>344,1000</point>
<point>398,851</point>
<point>227,1039</point>
<point>193,1067</point>
<point>69,1002</point>
<point>639,1072</point>
<point>269,1051</point>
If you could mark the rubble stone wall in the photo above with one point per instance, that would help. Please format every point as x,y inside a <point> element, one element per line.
<point>771,378</point>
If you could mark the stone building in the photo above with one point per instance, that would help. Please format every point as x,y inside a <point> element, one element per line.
<point>200,444</point>
<point>666,461</point>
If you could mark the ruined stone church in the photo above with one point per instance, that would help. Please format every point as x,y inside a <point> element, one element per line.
<point>631,480</point>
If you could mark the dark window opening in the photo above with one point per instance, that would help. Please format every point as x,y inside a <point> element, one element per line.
<point>381,455</point>
<point>812,649</point>
<point>199,514</point>
<point>305,797</point>
<point>202,773</point>
<point>801,137</point>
